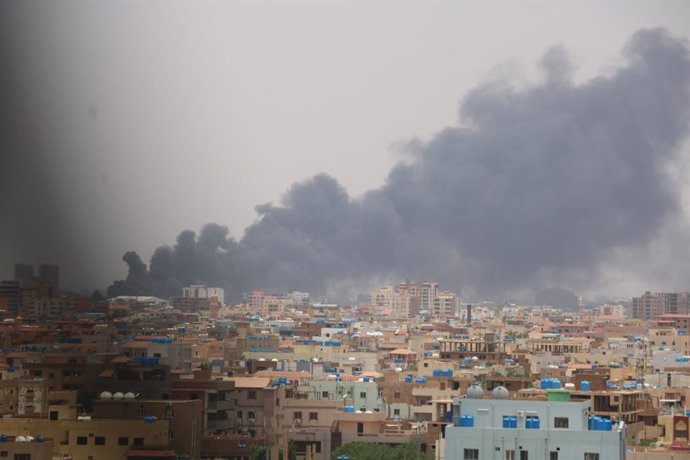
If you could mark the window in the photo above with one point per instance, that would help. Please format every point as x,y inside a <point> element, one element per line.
<point>100,440</point>
<point>396,395</point>
<point>141,412</point>
<point>171,436</point>
<point>82,440</point>
<point>251,415</point>
<point>396,412</point>
<point>138,442</point>
<point>363,394</point>
<point>591,456</point>
<point>524,455</point>
<point>324,394</point>
<point>22,456</point>
<point>510,455</point>
<point>314,416</point>
<point>471,454</point>
<point>123,441</point>
<point>297,416</point>
<point>560,422</point>
<point>252,395</point>
<point>553,455</point>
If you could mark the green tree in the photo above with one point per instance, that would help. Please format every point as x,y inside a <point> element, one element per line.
<point>377,451</point>
<point>262,452</point>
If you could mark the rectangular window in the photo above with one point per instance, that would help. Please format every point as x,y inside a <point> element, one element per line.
<point>122,441</point>
<point>510,455</point>
<point>363,395</point>
<point>591,456</point>
<point>553,455</point>
<point>100,440</point>
<point>239,415</point>
<point>252,395</point>
<point>138,442</point>
<point>524,455</point>
<point>314,416</point>
<point>396,412</point>
<point>297,416</point>
<point>470,454</point>
<point>396,395</point>
<point>324,394</point>
<point>560,422</point>
<point>53,415</point>
<point>82,440</point>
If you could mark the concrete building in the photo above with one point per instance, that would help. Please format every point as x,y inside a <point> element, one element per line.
<point>184,417</point>
<point>528,430</point>
<point>446,304</point>
<point>652,304</point>
<point>200,291</point>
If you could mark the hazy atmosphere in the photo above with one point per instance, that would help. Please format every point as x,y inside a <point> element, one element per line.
<point>494,147</point>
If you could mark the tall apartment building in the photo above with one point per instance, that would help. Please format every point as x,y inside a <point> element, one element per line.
<point>200,291</point>
<point>425,291</point>
<point>446,304</point>
<point>652,304</point>
<point>10,296</point>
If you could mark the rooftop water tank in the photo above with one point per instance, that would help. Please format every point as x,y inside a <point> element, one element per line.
<point>500,392</point>
<point>474,392</point>
<point>106,395</point>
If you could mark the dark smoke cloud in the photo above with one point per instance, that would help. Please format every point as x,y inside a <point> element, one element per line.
<point>534,185</point>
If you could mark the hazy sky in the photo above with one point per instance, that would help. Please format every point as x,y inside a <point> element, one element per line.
<point>127,122</point>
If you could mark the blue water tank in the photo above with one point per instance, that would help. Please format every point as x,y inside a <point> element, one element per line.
<point>509,422</point>
<point>40,438</point>
<point>408,379</point>
<point>544,384</point>
<point>556,384</point>
<point>532,423</point>
<point>467,421</point>
<point>4,438</point>
<point>436,373</point>
<point>607,424</point>
<point>449,373</point>
<point>584,385</point>
<point>150,419</point>
<point>349,408</point>
<point>421,380</point>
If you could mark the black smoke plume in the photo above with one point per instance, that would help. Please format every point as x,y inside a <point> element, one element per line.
<point>534,184</point>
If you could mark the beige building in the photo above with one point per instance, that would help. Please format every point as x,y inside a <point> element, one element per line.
<point>21,397</point>
<point>91,439</point>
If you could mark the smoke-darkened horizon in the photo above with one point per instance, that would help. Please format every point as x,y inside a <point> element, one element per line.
<point>536,185</point>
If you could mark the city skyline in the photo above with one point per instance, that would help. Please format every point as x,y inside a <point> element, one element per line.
<point>105,185</point>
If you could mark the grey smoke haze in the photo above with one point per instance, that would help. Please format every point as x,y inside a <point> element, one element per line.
<point>536,184</point>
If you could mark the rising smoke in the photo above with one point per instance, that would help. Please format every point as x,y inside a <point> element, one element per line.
<point>535,184</point>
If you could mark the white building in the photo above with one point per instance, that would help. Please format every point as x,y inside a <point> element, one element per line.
<point>511,429</point>
<point>199,291</point>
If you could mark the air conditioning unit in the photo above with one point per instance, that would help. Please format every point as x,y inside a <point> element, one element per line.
<point>251,420</point>
<point>298,421</point>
